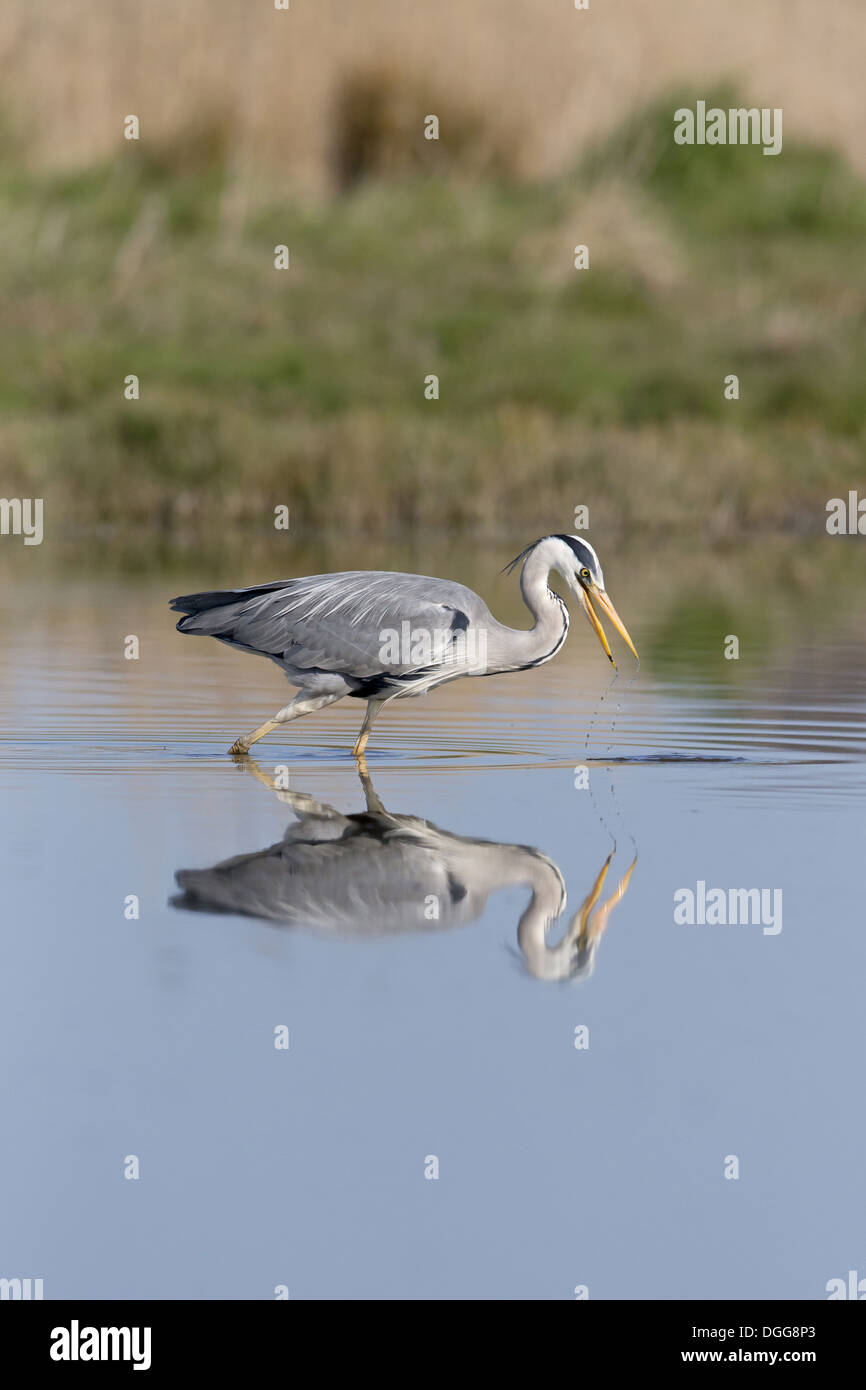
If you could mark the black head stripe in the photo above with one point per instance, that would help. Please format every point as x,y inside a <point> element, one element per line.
<point>582,552</point>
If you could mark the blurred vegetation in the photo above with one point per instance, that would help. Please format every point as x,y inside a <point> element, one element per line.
<point>558,387</point>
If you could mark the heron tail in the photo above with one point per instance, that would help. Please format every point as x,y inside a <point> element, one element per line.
<point>202,610</point>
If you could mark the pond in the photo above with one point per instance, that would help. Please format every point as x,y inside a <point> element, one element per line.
<point>436,1026</point>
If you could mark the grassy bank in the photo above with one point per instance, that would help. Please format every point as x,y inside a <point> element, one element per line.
<point>305,387</point>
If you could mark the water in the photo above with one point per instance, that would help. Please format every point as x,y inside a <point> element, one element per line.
<point>410,1037</point>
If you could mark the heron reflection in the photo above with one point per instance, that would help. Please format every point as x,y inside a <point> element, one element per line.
<point>376,873</point>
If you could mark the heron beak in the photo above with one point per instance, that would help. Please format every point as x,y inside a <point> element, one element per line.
<point>608,608</point>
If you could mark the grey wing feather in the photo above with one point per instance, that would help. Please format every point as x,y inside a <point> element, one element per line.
<point>333,622</point>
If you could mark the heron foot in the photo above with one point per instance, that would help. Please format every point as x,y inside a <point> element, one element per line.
<point>246,741</point>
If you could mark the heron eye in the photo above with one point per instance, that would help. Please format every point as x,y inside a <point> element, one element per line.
<point>585,574</point>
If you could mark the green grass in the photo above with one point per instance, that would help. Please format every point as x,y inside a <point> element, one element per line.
<point>557,387</point>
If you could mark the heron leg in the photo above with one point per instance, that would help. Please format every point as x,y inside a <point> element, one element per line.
<point>374,801</point>
<point>244,744</point>
<point>301,705</point>
<point>303,805</point>
<point>373,708</point>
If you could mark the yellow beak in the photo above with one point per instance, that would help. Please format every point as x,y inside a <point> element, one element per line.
<point>607,607</point>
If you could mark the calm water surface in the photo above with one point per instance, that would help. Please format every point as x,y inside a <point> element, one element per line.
<point>411,1037</point>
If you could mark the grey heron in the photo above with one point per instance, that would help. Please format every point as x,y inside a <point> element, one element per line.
<point>377,636</point>
<point>375,873</point>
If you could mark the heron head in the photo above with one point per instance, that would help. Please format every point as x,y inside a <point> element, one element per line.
<point>577,562</point>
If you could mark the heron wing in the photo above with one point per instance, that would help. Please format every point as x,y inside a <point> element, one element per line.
<point>336,622</point>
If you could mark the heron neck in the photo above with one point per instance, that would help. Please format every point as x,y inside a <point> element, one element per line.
<point>548,610</point>
<point>514,649</point>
